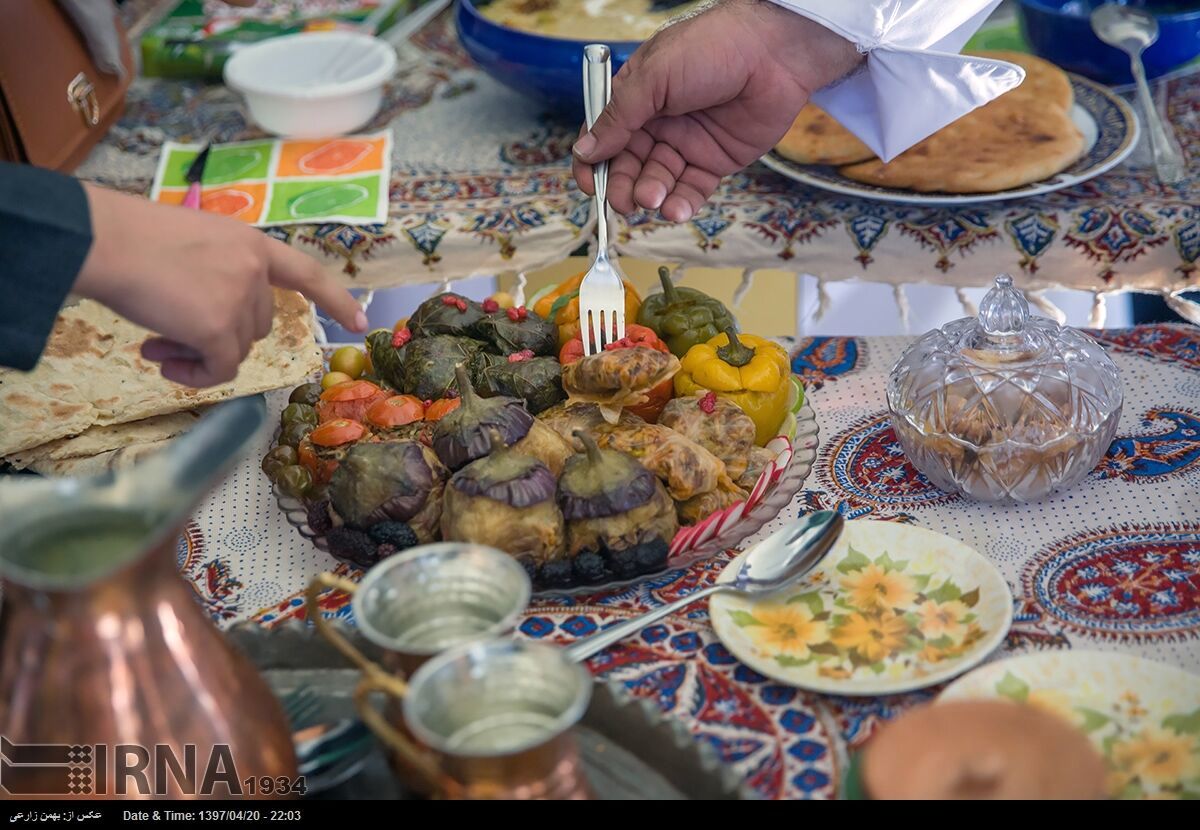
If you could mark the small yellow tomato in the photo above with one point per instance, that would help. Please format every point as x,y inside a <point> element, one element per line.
<point>332,379</point>
<point>348,360</point>
<point>504,299</point>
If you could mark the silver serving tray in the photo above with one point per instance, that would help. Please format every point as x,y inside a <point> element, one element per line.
<point>629,750</point>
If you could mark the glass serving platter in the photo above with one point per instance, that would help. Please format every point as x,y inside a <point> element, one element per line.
<point>778,484</point>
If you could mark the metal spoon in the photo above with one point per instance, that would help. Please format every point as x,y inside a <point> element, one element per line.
<point>772,564</point>
<point>1132,30</point>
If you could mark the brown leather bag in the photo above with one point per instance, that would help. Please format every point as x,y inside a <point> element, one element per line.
<point>55,105</point>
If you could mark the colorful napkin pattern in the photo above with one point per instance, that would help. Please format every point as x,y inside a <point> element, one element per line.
<point>285,181</point>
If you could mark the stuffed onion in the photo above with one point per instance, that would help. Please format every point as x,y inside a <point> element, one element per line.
<point>718,425</point>
<point>617,378</point>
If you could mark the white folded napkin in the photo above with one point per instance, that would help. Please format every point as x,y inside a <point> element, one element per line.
<point>914,82</point>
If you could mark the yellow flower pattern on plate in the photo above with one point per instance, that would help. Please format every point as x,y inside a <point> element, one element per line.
<point>788,629</point>
<point>1143,716</point>
<point>893,607</point>
<point>878,587</point>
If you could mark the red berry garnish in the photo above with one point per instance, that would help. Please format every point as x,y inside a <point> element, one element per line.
<point>461,305</point>
<point>449,299</point>
<point>401,337</point>
<point>512,314</point>
<point>490,306</point>
<point>623,343</point>
<point>708,404</point>
<point>517,357</point>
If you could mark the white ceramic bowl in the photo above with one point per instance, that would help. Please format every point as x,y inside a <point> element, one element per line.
<point>312,85</point>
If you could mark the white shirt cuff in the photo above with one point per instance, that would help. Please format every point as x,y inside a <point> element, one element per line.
<point>914,82</point>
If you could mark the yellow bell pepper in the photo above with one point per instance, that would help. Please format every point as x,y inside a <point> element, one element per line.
<point>750,371</point>
<point>566,317</point>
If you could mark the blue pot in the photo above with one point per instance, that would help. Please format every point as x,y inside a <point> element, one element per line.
<point>547,69</point>
<point>1060,31</point>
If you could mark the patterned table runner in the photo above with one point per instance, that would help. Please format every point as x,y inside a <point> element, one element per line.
<point>1113,564</point>
<point>500,197</point>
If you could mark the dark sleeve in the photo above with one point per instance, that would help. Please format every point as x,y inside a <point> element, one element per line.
<point>45,234</point>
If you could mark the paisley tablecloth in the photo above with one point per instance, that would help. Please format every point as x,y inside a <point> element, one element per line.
<point>481,184</point>
<point>1113,564</point>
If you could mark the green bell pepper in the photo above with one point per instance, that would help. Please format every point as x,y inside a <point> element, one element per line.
<point>683,317</point>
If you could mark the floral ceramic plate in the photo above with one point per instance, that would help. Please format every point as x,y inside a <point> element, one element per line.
<point>892,608</point>
<point>1143,716</point>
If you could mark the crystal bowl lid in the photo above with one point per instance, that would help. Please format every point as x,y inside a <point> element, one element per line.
<point>1004,331</point>
<point>1005,375</point>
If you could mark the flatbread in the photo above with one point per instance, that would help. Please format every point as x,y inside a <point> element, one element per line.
<point>994,148</point>
<point>102,462</point>
<point>107,439</point>
<point>92,374</point>
<point>1044,82</point>
<point>816,138</point>
<point>1004,144</point>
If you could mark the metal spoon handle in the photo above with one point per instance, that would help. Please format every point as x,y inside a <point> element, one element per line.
<point>175,479</point>
<point>597,90</point>
<point>583,649</point>
<point>1168,159</point>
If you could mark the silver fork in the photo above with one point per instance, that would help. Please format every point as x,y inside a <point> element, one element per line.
<point>601,294</point>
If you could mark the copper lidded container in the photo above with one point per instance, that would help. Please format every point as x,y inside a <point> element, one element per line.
<point>1005,406</point>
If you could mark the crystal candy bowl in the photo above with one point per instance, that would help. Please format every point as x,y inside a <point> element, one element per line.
<point>1006,406</point>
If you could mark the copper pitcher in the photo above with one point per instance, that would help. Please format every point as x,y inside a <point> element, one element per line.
<point>114,682</point>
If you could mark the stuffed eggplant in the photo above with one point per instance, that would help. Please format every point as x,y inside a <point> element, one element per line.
<point>398,481</point>
<point>464,435</point>
<point>617,513</point>
<point>505,499</point>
